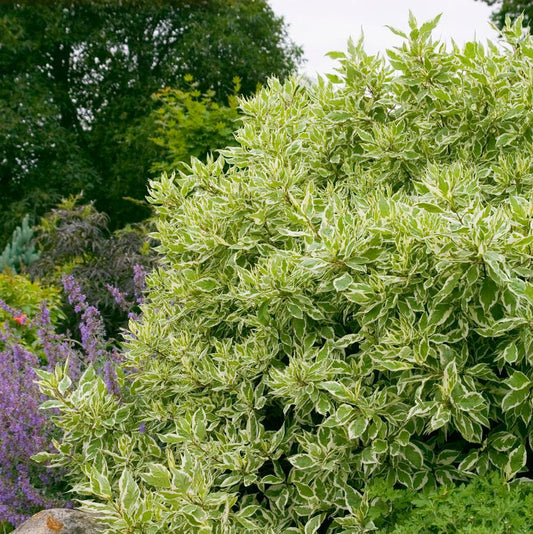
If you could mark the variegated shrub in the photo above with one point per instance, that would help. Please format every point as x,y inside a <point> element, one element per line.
<point>345,296</point>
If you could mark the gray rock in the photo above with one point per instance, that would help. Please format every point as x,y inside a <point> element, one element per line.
<point>60,521</point>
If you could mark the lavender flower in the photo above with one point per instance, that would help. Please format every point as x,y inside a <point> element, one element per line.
<point>24,431</point>
<point>119,296</point>
<point>91,326</point>
<point>139,283</point>
<point>25,486</point>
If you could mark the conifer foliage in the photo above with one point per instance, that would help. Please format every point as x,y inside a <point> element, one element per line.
<point>345,297</point>
<point>20,252</point>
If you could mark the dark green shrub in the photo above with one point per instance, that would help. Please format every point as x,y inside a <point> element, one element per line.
<point>344,297</point>
<point>76,86</point>
<point>486,505</point>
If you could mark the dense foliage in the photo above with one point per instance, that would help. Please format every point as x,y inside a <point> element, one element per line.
<point>345,298</point>
<point>190,124</point>
<point>76,84</point>
<point>487,505</point>
<point>20,293</point>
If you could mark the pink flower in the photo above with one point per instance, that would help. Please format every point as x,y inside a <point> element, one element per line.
<point>20,319</point>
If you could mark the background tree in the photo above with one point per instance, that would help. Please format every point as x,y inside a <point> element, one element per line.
<point>190,124</point>
<point>510,8</point>
<point>76,85</point>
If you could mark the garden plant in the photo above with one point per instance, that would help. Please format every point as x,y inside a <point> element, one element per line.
<point>32,340</point>
<point>20,252</point>
<point>74,239</point>
<point>344,299</point>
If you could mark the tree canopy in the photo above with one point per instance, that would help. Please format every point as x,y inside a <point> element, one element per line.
<point>76,81</point>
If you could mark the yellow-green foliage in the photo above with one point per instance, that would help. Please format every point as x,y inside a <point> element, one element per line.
<point>27,297</point>
<point>192,125</point>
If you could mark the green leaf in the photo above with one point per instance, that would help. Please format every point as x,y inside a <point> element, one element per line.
<point>393,365</point>
<point>518,381</point>
<point>469,429</point>
<point>206,284</point>
<point>334,54</point>
<point>505,139</point>
<point>157,475</point>
<point>129,492</point>
<point>432,208</point>
<point>429,26</point>
<point>447,456</point>
<point>339,391</point>
<point>353,498</point>
<point>64,384</point>
<point>517,461</point>
<point>413,455</point>
<point>488,294</point>
<point>343,282</point>
<point>295,309</point>
<point>523,241</point>
<point>503,441</point>
<point>514,398</point>
<point>198,424</point>
<point>439,314</point>
<point>469,462</point>
<point>397,32</point>
<point>42,457</point>
<point>510,353</point>
<point>302,461</point>
<point>470,401</point>
<point>380,446</point>
<point>100,484</point>
<point>52,404</point>
<point>440,418</point>
<point>344,413</point>
<point>357,427</point>
<point>502,327</point>
<point>272,479</point>
<point>314,524</point>
<point>304,490</point>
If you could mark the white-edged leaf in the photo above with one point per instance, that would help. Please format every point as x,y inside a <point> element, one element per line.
<point>314,523</point>
<point>343,282</point>
<point>357,427</point>
<point>517,460</point>
<point>510,353</point>
<point>514,398</point>
<point>129,492</point>
<point>157,475</point>
<point>518,381</point>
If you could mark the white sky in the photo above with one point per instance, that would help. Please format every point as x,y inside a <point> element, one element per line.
<point>324,25</point>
